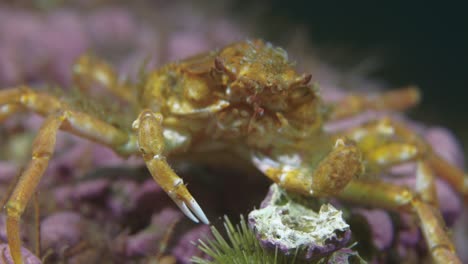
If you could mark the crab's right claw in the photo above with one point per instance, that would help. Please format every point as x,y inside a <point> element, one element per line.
<point>151,144</point>
<point>187,204</point>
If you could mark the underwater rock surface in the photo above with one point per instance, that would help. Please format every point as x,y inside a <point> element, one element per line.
<point>292,227</point>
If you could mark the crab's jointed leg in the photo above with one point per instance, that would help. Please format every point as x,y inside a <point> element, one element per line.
<point>58,117</point>
<point>387,142</point>
<point>381,148</point>
<point>392,197</point>
<point>43,148</point>
<point>448,172</point>
<point>89,69</point>
<point>425,184</point>
<point>376,139</point>
<point>78,123</point>
<point>151,144</point>
<point>395,100</point>
<point>453,175</point>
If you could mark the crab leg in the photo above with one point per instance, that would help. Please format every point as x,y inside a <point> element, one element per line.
<point>58,117</point>
<point>43,148</point>
<point>397,198</point>
<point>23,96</point>
<point>396,100</point>
<point>386,143</point>
<point>448,172</point>
<point>88,70</point>
<point>151,144</point>
<point>425,184</point>
<point>78,123</point>
<point>96,130</point>
<point>378,141</point>
<point>453,175</point>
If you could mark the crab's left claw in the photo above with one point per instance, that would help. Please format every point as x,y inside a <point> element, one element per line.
<point>301,174</point>
<point>151,143</point>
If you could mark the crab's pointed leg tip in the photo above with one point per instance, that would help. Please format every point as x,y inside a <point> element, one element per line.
<point>196,209</point>
<point>183,207</point>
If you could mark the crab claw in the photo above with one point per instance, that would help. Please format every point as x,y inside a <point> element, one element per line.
<point>151,144</point>
<point>300,173</point>
<point>187,204</point>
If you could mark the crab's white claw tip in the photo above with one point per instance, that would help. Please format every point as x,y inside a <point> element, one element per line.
<point>196,209</point>
<point>191,209</point>
<point>183,207</point>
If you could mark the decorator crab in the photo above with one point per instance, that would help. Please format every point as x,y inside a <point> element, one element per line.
<point>247,99</point>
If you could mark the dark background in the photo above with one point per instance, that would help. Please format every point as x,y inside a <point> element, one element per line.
<point>417,43</point>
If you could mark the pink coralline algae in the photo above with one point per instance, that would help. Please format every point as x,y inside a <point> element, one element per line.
<point>381,227</point>
<point>147,240</point>
<point>28,42</point>
<point>37,47</point>
<point>82,191</point>
<point>185,250</point>
<point>61,230</point>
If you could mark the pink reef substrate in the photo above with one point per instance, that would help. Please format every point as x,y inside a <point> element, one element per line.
<point>124,216</point>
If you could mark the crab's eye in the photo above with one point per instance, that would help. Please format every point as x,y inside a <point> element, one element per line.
<point>219,65</point>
